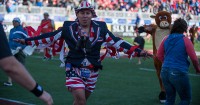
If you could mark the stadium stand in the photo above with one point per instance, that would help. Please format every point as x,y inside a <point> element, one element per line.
<point>120,15</point>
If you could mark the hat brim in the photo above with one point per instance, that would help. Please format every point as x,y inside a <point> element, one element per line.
<point>79,9</point>
<point>91,9</point>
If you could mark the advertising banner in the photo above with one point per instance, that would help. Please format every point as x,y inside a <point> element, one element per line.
<point>123,30</point>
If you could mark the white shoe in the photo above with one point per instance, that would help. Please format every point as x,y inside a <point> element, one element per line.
<point>7,84</point>
<point>62,65</point>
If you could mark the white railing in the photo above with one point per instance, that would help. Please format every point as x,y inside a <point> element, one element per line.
<point>36,10</point>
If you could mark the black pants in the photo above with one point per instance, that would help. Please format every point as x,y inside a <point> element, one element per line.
<point>20,56</point>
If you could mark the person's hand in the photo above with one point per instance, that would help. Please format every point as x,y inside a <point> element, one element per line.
<point>46,97</point>
<point>141,29</point>
<point>147,28</point>
<point>22,41</point>
<point>146,54</point>
<point>198,71</point>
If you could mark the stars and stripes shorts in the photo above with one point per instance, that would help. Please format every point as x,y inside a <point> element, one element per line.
<point>74,80</point>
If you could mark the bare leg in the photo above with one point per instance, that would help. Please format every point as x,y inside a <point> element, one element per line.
<point>9,80</point>
<point>46,53</point>
<point>87,94</point>
<point>8,83</point>
<point>139,61</point>
<point>79,96</point>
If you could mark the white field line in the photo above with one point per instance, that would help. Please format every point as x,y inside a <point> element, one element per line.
<point>146,69</point>
<point>18,102</point>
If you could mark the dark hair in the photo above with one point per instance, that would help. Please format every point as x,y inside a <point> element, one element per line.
<point>46,14</point>
<point>179,26</point>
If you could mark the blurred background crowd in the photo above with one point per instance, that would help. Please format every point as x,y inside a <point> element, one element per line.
<point>175,6</point>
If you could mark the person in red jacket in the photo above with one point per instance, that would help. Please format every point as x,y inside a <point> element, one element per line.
<point>50,27</point>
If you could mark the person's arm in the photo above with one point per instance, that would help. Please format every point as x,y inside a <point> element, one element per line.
<point>150,29</point>
<point>46,38</point>
<point>19,74</point>
<point>17,71</point>
<point>191,53</point>
<point>123,46</point>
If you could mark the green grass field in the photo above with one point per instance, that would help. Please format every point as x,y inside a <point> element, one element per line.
<point>121,82</point>
<point>148,45</point>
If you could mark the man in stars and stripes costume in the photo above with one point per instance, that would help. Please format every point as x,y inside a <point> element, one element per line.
<point>84,38</point>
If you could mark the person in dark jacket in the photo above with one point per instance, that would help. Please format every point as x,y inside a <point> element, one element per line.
<point>84,38</point>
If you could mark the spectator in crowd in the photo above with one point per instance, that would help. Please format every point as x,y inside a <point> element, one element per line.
<point>17,72</point>
<point>173,52</point>
<point>1,21</point>
<point>176,7</point>
<point>50,27</point>
<point>29,4</point>
<point>17,49</point>
<point>39,3</point>
<point>45,3</point>
<point>2,2</point>
<point>149,5</point>
<point>10,6</point>
<point>84,38</point>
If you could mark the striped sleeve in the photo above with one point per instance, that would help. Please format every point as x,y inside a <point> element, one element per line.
<point>44,39</point>
<point>122,46</point>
